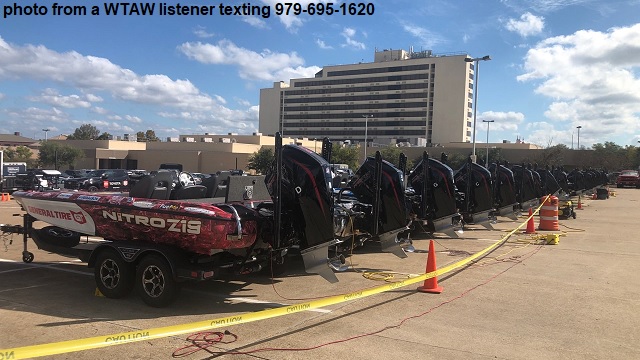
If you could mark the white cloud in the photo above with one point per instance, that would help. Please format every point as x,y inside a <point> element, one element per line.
<point>590,77</point>
<point>255,22</point>
<point>508,121</point>
<point>528,25</point>
<point>543,6</point>
<point>202,32</point>
<point>133,119</point>
<point>427,38</point>
<point>2,96</point>
<point>322,45</point>
<point>265,66</point>
<point>90,73</point>
<point>52,97</point>
<point>100,110</point>
<point>348,34</point>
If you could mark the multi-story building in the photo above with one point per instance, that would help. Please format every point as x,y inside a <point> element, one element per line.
<point>402,96</point>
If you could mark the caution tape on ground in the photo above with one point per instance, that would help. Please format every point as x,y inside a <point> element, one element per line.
<point>166,331</point>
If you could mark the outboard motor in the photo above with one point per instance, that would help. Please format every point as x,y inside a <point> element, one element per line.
<point>475,180</point>
<point>432,193</point>
<point>381,184</point>
<point>549,183</point>
<point>576,180</point>
<point>504,191</point>
<point>305,204</point>
<point>561,177</point>
<point>526,193</point>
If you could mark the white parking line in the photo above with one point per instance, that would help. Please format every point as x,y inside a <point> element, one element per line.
<point>44,266</point>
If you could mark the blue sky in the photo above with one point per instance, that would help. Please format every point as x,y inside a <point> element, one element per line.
<point>556,64</point>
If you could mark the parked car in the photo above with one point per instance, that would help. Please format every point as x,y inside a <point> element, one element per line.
<point>101,180</point>
<point>628,178</point>
<point>38,179</point>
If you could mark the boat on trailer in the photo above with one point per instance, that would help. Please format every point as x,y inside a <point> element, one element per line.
<point>179,231</point>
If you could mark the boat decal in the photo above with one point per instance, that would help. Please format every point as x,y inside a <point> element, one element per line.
<point>199,210</point>
<point>143,204</point>
<point>88,198</point>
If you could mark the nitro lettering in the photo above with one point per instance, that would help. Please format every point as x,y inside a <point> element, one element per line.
<point>175,225</point>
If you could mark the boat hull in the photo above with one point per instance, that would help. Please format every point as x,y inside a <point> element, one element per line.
<point>197,227</point>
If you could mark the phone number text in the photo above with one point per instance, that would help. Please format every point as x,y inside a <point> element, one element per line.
<point>351,9</point>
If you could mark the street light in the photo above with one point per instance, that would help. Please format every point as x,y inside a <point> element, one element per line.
<point>45,133</point>
<point>488,123</point>
<point>366,117</point>
<point>578,127</point>
<point>476,70</point>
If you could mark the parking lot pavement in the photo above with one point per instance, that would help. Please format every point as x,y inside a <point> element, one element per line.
<point>577,299</point>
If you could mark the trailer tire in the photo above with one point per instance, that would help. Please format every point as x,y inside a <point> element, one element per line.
<point>58,236</point>
<point>154,281</point>
<point>114,276</point>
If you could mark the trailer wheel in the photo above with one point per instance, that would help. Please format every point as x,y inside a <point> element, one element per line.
<point>27,256</point>
<point>58,236</point>
<point>154,281</point>
<point>114,276</point>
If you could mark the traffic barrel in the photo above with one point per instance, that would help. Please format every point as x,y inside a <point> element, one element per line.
<point>549,213</point>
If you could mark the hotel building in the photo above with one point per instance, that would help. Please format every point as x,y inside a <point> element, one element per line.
<point>402,96</point>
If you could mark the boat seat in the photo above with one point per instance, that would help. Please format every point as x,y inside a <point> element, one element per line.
<point>153,186</point>
<point>217,184</point>
<point>189,192</point>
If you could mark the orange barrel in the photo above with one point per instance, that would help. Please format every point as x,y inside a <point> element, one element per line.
<point>549,214</point>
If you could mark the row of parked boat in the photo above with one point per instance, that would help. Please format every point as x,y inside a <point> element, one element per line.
<point>170,229</point>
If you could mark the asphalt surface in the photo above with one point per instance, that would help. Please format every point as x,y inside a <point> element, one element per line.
<point>579,299</point>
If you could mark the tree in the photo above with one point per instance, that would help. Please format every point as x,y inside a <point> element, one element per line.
<point>56,153</point>
<point>85,132</point>
<point>261,160</point>
<point>392,153</point>
<point>20,154</point>
<point>609,154</point>
<point>552,155</point>
<point>345,155</point>
<point>149,135</point>
<point>104,136</point>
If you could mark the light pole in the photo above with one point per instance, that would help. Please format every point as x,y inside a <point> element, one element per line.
<point>476,70</point>
<point>488,123</point>
<point>45,134</point>
<point>366,126</point>
<point>578,127</point>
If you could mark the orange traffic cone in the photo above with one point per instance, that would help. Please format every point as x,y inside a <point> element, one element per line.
<point>579,203</point>
<point>431,285</point>
<point>531,227</point>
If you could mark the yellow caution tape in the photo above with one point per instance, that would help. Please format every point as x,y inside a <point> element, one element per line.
<point>174,330</point>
